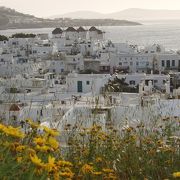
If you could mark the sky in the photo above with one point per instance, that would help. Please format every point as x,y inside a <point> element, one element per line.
<point>46,8</point>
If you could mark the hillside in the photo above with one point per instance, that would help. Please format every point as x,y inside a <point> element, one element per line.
<point>11,19</point>
<point>145,14</point>
<point>132,14</point>
<point>80,15</point>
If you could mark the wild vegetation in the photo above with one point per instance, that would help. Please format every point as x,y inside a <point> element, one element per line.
<point>23,35</point>
<point>119,85</point>
<point>3,38</point>
<point>137,152</point>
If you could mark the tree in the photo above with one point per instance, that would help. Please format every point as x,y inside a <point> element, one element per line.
<point>3,38</point>
<point>23,35</point>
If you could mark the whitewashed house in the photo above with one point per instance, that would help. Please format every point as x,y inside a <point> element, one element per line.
<point>86,48</point>
<point>57,66</point>
<point>42,50</point>
<point>6,59</point>
<point>74,63</point>
<point>86,83</point>
<point>168,61</point>
<point>158,80</point>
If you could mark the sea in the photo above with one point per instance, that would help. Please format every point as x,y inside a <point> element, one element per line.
<point>166,32</point>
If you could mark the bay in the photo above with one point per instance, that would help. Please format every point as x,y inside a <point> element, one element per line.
<point>166,33</point>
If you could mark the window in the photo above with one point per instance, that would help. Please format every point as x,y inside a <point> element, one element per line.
<point>137,63</point>
<point>168,63</point>
<point>155,81</point>
<point>120,63</point>
<point>132,82</point>
<point>87,82</point>
<point>162,63</point>
<point>173,62</point>
<point>131,63</point>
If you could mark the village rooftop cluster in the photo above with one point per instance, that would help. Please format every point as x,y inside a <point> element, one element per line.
<point>63,77</point>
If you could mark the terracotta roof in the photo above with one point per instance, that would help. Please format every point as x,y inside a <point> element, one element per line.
<point>57,31</point>
<point>70,29</point>
<point>81,29</point>
<point>14,107</point>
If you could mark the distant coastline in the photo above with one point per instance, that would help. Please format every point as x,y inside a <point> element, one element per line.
<point>11,19</point>
<point>69,22</point>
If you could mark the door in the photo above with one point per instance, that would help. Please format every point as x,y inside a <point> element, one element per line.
<point>79,87</point>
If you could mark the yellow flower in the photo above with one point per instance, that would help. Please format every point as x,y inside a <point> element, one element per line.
<point>64,164</point>
<point>11,131</point>
<point>19,159</point>
<point>31,151</point>
<point>51,131</point>
<point>40,141</point>
<point>86,169</point>
<point>112,176</point>
<point>20,148</point>
<point>2,127</point>
<point>176,174</point>
<point>66,174</point>
<point>43,148</point>
<point>97,173</point>
<point>51,164</point>
<point>32,124</point>
<point>98,159</point>
<point>106,170</point>
<point>53,142</point>
<point>160,142</point>
<point>56,175</point>
<point>34,158</point>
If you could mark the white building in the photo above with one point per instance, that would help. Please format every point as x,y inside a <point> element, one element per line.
<point>158,80</point>
<point>74,63</point>
<point>86,83</point>
<point>168,61</point>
